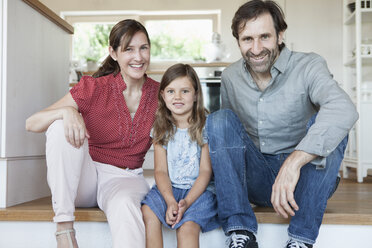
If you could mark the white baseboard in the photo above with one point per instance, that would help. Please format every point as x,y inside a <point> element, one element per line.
<point>97,235</point>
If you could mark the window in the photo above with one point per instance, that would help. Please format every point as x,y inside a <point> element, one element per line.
<point>177,40</point>
<point>175,35</point>
<point>90,41</point>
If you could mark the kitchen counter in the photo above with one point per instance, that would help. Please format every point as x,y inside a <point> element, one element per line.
<point>156,70</point>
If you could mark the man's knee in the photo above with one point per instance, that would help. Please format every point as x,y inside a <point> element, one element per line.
<point>337,155</point>
<point>343,144</point>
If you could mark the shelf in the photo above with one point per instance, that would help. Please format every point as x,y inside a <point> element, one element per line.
<point>351,19</point>
<point>366,10</point>
<point>351,159</point>
<point>350,63</point>
<point>366,61</point>
<point>356,28</point>
<point>366,16</point>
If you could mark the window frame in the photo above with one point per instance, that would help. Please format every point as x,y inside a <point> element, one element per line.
<point>142,16</point>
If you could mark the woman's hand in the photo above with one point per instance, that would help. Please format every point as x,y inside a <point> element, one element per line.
<point>171,214</point>
<point>75,130</point>
<point>64,109</point>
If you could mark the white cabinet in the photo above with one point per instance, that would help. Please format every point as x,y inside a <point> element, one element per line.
<point>357,74</point>
<point>34,65</point>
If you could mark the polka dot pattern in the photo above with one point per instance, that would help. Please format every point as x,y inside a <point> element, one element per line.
<point>114,137</point>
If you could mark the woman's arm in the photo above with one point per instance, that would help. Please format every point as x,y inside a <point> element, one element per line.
<point>200,184</point>
<point>65,109</point>
<point>164,184</point>
<point>40,121</point>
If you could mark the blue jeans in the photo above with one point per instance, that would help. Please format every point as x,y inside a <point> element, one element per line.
<point>243,174</point>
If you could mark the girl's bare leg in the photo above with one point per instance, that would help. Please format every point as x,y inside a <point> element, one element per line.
<point>188,235</point>
<point>154,236</point>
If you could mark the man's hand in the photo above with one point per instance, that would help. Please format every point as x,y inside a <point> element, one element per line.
<point>282,196</point>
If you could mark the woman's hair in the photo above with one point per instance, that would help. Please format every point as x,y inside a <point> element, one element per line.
<point>120,36</point>
<point>252,9</point>
<point>164,122</point>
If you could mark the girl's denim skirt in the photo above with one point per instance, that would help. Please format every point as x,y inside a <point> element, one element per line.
<point>203,211</point>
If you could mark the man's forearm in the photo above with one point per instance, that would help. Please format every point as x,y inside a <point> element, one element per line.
<point>298,158</point>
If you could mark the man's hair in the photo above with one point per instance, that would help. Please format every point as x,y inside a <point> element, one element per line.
<point>254,8</point>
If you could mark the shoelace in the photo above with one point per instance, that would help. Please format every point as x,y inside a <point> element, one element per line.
<point>237,240</point>
<point>295,244</point>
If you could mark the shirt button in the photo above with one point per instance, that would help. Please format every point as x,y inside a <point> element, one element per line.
<point>261,99</point>
<point>260,122</point>
<point>328,151</point>
<point>263,143</point>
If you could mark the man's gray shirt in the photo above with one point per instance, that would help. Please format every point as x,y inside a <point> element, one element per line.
<point>276,118</point>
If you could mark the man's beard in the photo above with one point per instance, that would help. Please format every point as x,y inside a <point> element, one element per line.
<point>265,65</point>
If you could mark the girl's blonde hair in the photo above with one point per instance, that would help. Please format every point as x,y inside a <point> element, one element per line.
<point>164,122</point>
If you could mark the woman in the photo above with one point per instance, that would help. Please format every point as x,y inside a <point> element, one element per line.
<point>114,110</point>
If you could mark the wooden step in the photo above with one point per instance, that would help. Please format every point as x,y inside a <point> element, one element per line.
<point>350,205</point>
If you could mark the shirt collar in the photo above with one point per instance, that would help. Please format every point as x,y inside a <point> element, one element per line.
<point>248,74</point>
<point>120,81</point>
<point>282,62</point>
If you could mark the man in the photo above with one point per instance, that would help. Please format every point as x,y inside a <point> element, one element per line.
<point>288,147</point>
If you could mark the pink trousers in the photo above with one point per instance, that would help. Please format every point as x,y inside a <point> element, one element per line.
<point>76,180</point>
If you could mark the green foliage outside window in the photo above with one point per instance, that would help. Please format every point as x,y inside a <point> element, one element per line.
<point>91,41</point>
<point>179,40</point>
<point>166,47</point>
<point>170,40</point>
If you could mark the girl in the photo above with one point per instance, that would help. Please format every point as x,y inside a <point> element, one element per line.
<point>114,109</point>
<point>179,200</point>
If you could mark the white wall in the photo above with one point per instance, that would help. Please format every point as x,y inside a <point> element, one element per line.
<point>316,26</point>
<point>35,74</point>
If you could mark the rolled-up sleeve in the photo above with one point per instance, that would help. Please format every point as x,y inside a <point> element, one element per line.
<point>337,113</point>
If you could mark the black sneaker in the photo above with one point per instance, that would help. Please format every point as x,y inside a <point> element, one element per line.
<point>242,240</point>
<point>297,244</point>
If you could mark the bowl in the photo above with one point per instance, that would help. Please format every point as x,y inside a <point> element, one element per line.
<point>351,7</point>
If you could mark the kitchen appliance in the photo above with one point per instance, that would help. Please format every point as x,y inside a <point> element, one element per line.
<point>210,79</point>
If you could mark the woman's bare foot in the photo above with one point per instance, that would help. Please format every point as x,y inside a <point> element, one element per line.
<point>64,231</point>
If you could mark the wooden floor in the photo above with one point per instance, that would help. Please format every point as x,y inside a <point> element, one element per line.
<point>350,205</point>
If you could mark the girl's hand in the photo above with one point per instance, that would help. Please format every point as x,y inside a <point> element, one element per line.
<point>171,214</point>
<point>75,130</point>
<point>182,207</point>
